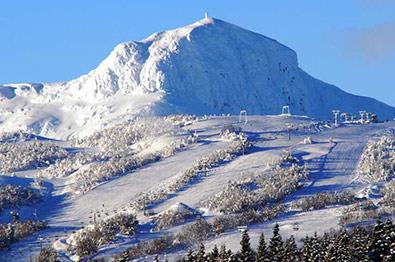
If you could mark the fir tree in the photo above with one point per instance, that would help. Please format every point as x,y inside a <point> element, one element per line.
<point>315,249</point>
<point>190,257</point>
<point>261,254</point>
<point>246,253</point>
<point>276,249</point>
<point>305,252</point>
<point>388,249</point>
<point>330,253</point>
<point>201,254</point>
<point>391,256</point>
<point>291,252</point>
<point>223,255</point>
<point>343,246</point>
<point>214,255</point>
<point>359,249</point>
<point>376,246</point>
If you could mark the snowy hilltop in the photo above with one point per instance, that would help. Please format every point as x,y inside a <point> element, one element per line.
<point>209,67</point>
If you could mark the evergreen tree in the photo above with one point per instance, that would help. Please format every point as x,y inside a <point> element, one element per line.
<point>291,252</point>
<point>156,258</point>
<point>230,255</point>
<point>391,256</point>
<point>262,254</point>
<point>306,249</point>
<point>201,254</point>
<point>246,253</point>
<point>315,249</point>
<point>377,245</point>
<point>359,249</point>
<point>214,255</point>
<point>389,243</point>
<point>190,257</point>
<point>343,247</point>
<point>223,255</point>
<point>276,248</point>
<point>330,253</point>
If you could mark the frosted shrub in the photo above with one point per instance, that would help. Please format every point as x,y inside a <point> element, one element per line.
<point>287,159</point>
<point>15,136</point>
<point>47,254</point>
<point>181,120</point>
<point>121,138</point>
<point>21,156</point>
<point>13,232</point>
<point>280,182</point>
<point>364,211</point>
<point>16,196</point>
<point>378,161</point>
<point>230,133</point>
<point>195,233</point>
<point>66,166</point>
<point>146,248</point>
<point>389,194</point>
<point>173,216</point>
<point>238,196</point>
<point>234,198</point>
<point>321,200</point>
<point>87,241</point>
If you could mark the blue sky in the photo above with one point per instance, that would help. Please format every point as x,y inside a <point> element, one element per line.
<point>349,43</point>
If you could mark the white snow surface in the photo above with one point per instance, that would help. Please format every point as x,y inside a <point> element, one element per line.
<point>209,67</point>
<point>332,167</point>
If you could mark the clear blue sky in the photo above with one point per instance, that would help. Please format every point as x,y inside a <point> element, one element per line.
<point>349,43</point>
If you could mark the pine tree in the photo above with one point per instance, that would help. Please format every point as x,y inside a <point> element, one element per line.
<point>306,249</point>
<point>190,257</point>
<point>230,255</point>
<point>156,258</point>
<point>315,249</point>
<point>223,255</point>
<point>201,254</point>
<point>291,252</point>
<point>343,246</point>
<point>214,255</point>
<point>376,246</point>
<point>391,256</point>
<point>389,232</point>
<point>246,253</point>
<point>276,249</point>
<point>330,253</point>
<point>359,249</point>
<point>261,254</point>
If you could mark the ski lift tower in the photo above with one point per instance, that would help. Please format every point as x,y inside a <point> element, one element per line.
<point>336,116</point>
<point>243,113</point>
<point>362,114</point>
<point>286,111</point>
<point>344,117</point>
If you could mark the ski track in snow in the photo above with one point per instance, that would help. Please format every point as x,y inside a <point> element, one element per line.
<point>332,168</point>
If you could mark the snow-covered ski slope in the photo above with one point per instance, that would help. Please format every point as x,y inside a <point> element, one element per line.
<point>332,159</point>
<point>208,67</point>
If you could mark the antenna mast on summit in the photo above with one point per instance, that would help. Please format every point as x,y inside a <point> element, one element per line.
<point>206,15</point>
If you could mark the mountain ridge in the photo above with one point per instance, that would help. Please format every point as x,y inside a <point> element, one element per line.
<point>208,67</point>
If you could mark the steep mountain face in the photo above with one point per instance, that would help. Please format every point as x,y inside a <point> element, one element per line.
<point>209,67</point>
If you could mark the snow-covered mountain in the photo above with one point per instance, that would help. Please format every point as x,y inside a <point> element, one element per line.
<point>209,67</point>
